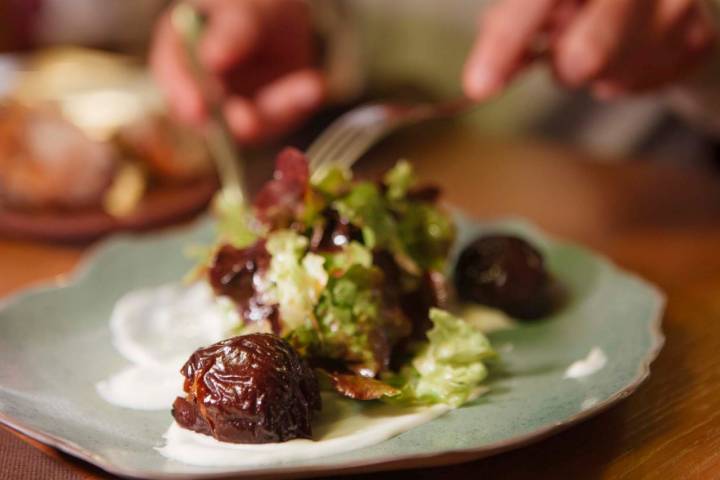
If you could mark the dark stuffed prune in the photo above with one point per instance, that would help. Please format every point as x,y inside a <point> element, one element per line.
<point>248,389</point>
<point>235,273</point>
<point>505,272</point>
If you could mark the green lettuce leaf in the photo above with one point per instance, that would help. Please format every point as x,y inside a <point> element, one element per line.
<point>236,226</point>
<point>353,253</point>
<point>348,316</point>
<point>418,234</point>
<point>427,234</point>
<point>449,367</point>
<point>235,222</point>
<point>399,180</point>
<point>333,181</point>
<point>365,207</point>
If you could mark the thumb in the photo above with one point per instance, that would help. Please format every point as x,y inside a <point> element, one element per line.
<point>501,48</point>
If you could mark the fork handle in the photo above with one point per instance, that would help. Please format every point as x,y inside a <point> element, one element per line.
<point>224,151</point>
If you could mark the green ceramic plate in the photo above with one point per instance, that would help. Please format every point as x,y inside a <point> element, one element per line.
<point>55,345</point>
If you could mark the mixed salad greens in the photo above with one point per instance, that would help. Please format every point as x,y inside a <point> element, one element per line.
<point>352,274</point>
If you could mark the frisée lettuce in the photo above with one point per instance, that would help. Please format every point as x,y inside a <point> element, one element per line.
<point>448,368</point>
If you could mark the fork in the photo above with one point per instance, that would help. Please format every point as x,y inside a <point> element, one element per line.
<point>354,132</point>
<point>229,162</point>
<point>341,144</point>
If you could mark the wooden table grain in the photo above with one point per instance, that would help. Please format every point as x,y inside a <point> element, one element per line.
<point>662,222</point>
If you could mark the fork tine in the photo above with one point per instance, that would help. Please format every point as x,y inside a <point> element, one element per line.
<point>335,151</point>
<point>328,138</point>
<point>357,140</point>
<point>353,133</point>
<point>359,147</point>
<point>331,145</point>
<point>336,131</point>
<point>361,117</point>
<point>344,154</point>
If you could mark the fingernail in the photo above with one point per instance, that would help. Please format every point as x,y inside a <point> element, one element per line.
<point>242,120</point>
<point>483,83</point>
<point>190,112</point>
<point>183,113</point>
<point>309,93</point>
<point>570,64</point>
<point>578,63</point>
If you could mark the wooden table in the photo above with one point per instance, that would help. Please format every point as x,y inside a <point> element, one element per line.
<point>662,222</point>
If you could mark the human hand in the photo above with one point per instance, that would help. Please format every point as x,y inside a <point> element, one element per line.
<point>260,53</point>
<point>613,47</point>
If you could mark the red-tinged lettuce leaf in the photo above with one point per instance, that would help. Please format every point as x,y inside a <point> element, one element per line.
<point>281,199</point>
<point>360,388</point>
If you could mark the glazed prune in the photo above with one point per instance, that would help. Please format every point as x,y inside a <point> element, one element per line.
<point>505,272</point>
<point>248,389</point>
<point>236,273</point>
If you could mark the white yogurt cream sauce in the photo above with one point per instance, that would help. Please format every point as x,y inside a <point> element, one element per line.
<point>343,425</point>
<point>595,361</point>
<point>157,329</point>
